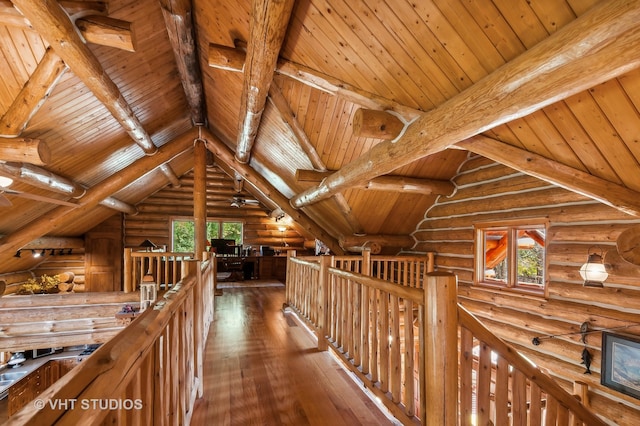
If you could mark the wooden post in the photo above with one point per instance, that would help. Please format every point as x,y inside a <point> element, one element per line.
<point>441,346</point>
<point>199,338</point>
<point>323,309</point>
<point>200,197</point>
<point>128,270</point>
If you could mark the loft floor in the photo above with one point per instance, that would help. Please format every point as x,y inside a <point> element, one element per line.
<point>262,368</point>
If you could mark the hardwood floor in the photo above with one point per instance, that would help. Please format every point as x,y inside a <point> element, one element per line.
<point>262,368</point>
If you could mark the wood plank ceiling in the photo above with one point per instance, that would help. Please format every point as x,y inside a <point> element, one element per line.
<point>549,80</point>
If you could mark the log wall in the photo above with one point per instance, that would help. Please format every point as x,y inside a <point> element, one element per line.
<point>153,221</point>
<point>487,191</point>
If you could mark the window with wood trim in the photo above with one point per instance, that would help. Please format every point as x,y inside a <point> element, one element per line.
<point>183,232</point>
<point>512,256</point>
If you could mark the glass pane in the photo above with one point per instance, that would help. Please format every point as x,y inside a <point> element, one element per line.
<point>213,230</point>
<point>496,244</point>
<point>232,231</point>
<point>183,236</point>
<point>530,262</point>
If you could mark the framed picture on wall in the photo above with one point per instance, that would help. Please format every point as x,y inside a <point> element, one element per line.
<point>621,363</point>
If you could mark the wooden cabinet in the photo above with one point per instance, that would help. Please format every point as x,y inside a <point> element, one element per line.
<point>30,386</point>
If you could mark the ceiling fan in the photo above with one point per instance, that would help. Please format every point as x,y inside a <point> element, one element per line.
<point>241,201</point>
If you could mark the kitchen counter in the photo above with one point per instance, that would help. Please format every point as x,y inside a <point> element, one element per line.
<point>29,366</point>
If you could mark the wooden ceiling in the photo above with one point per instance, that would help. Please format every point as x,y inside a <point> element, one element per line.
<point>549,87</point>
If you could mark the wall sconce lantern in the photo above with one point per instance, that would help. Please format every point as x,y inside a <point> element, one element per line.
<point>593,272</point>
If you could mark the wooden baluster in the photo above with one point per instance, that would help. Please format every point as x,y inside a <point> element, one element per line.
<point>563,416</point>
<point>128,270</point>
<point>357,324</point>
<point>383,339</point>
<point>466,377</point>
<point>365,325</point>
<point>348,324</point>
<point>501,392</point>
<point>518,398</point>
<point>581,391</point>
<point>409,361</point>
<point>441,337</point>
<point>374,302</point>
<point>535,405</point>
<point>395,362</point>
<point>551,411</point>
<point>483,385</point>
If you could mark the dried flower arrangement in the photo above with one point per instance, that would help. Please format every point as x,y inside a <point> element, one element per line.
<point>44,285</point>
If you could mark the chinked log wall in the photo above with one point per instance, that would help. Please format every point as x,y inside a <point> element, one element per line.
<point>153,221</point>
<point>488,191</point>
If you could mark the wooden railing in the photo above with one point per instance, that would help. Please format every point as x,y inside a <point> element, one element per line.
<point>163,267</point>
<point>150,373</point>
<point>414,348</point>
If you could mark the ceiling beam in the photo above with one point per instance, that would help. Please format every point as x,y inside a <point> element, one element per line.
<point>609,193</point>
<point>387,183</point>
<point>178,18</point>
<point>26,150</point>
<point>42,178</point>
<point>62,216</point>
<point>233,59</point>
<point>599,45</point>
<point>375,243</point>
<point>90,19</point>
<point>32,95</point>
<point>54,25</point>
<point>269,21</point>
<point>226,159</point>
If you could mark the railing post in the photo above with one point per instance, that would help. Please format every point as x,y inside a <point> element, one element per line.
<point>323,309</point>
<point>441,348</point>
<point>366,262</point>
<point>128,271</point>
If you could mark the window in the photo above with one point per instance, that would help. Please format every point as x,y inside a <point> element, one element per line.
<point>512,255</point>
<point>183,233</point>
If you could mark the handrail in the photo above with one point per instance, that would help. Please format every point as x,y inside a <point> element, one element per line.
<point>152,370</point>
<point>523,365</point>
<point>384,331</point>
<point>163,267</point>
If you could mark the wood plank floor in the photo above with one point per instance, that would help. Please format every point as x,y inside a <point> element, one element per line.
<point>262,368</point>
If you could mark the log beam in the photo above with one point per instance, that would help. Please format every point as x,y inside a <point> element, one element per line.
<point>32,96</point>
<point>41,178</point>
<point>106,31</point>
<point>387,183</point>
<point>226,159</point>
<point>178,18</point>
<point>55,243</point>
<point>233,59</point>
<point>54,25</point>
<point>369,123</point>
<point>269,21</point>
<point>609,193</point>
<point>26,150</point>
<point>599,45</point>
<point>375,243</point>
<point>90,20</point>
<point>410,185</point>
<point>61,216</point>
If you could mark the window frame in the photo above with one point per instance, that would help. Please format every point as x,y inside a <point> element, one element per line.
<point>219,221</point>
<point>512,284</point>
